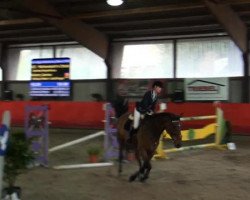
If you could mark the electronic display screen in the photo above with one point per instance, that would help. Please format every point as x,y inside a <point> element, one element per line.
<point>53,69</point>
<point>50,79</point>
<point>50,89</point>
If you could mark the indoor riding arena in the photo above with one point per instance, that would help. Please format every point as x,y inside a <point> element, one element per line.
<point>76,75</point>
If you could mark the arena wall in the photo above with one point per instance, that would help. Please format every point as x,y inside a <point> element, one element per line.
<point>67,114</point>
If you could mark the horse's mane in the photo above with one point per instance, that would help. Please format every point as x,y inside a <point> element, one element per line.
<point>171,116</point>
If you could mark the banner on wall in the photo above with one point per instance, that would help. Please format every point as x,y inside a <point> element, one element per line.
<point>206,89</point>
<point>136,88</point>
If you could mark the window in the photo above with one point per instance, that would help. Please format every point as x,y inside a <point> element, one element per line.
<point>84,63</point>
<point>154,60</point>
<point>19,61</point>
<point>210,57</point>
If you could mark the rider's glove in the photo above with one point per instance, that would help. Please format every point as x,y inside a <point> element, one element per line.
<point>150,112</point>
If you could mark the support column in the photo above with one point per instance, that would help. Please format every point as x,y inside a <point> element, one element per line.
<point>109,83</point>
<point>245,83</point>
<point>3,65</point>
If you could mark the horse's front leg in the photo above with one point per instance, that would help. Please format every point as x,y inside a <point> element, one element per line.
<point>137,173</point>
<point>146,168</point>
<point>145,174</point>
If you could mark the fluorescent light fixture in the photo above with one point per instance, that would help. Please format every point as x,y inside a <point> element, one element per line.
<point>115,2</point>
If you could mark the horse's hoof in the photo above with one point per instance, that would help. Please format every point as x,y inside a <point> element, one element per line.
<point>132,178</point>
<point>143,178</point>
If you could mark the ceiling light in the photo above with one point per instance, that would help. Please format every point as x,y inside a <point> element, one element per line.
<point>115,2</point>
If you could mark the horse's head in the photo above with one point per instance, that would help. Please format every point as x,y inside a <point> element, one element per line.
<point>174,130</point>
<point>171,123</point>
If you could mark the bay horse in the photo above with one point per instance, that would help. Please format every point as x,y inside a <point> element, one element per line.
<point>147,138</point>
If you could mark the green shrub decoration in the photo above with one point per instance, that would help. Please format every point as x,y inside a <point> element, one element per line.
<point>93,150</point>
<point>18,157</point>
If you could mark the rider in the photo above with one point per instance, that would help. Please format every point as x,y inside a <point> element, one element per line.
<point>146,106</point>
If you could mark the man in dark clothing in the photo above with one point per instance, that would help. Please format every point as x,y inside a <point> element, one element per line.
<point>120,105</point>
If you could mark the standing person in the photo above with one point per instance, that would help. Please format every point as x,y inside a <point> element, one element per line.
<point>146,106</point>
<point>120,105</point>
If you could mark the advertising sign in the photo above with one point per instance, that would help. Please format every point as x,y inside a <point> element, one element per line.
<point>206,89</point>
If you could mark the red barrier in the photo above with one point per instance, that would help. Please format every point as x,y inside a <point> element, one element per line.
<point>61,114</point>
<point>91,114</point>
<point>236,113</point>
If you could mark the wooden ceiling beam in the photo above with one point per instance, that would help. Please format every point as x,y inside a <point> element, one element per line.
<point>137,11</point>
<point>24,38</point>
<point>82,33</point>
<point>149,10</point>
<point>171,35</point>
<point>20,21</point>
<point>174,20</point>
<point>234,26</point>
<point>234,2</point>
<point>29,30</point>
<point>165,29</point>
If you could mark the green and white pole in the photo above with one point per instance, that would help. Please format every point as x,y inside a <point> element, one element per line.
<point>220,132</point>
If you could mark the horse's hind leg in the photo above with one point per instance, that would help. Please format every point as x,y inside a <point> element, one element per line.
<point>120,157</point>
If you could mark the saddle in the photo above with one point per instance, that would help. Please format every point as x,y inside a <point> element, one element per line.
<point>128,123</point>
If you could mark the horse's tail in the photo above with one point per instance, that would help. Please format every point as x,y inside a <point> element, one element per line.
<point>121,137</point>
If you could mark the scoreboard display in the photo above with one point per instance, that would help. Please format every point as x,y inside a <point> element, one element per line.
<point>50,89</point>
<point>50,69</point>
<point>50,78</point>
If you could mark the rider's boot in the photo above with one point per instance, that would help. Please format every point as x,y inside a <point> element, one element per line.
<point>128,125</point>
<point>131,135</point>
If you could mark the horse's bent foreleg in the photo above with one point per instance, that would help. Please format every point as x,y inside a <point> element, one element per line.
<point>141,170</point>
<point>145,169</point>
<point>147,166</point>
<point>137,156</point>
<point>134,176</point>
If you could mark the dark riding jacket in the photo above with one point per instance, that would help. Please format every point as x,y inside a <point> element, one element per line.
<point>147,104</point>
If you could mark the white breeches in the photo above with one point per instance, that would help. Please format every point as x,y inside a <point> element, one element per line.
<point>137,116</point>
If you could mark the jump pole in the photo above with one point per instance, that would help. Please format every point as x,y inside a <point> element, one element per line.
<point>62,146</point>
<point>217,128</point>
<point>76,166</point>
<point>88,165</point>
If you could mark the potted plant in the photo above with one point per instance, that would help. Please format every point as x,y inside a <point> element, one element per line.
<point>18,156</point>
<point>93,152</point>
